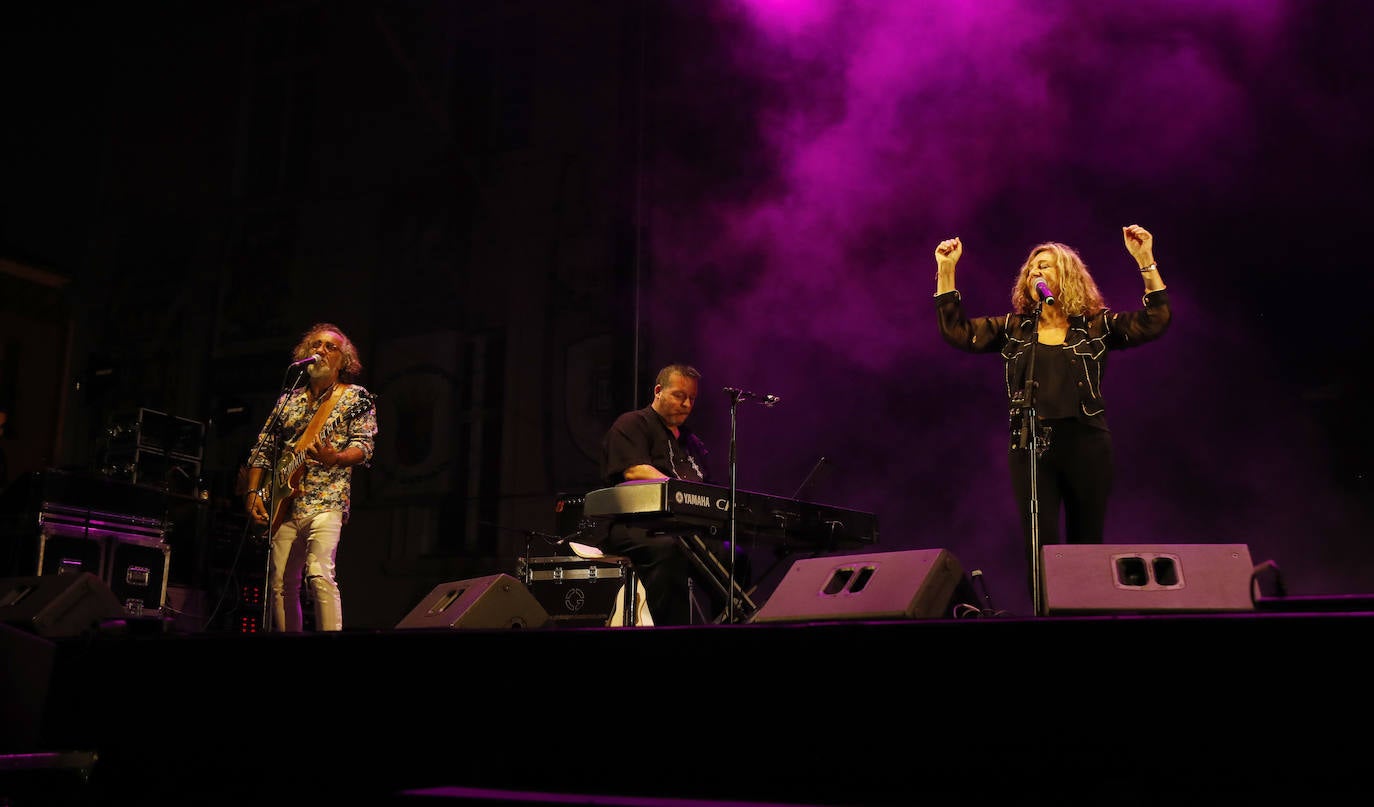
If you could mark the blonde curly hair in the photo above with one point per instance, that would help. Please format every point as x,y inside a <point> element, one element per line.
<point>1078,293</point>
<point>352,365</point>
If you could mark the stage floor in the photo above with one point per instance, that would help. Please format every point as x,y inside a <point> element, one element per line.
<point>1104,709</point>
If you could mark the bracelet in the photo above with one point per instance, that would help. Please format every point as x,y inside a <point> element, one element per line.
<point>1152,267</point>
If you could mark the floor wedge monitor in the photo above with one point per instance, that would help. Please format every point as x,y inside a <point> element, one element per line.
<point>1143,578</point>
<point>910,584</point>
<point>494,601</point>
<point>58,605</point>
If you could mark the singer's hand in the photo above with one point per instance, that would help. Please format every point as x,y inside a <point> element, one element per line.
<point>1139,243</point>
<point>947,254</point>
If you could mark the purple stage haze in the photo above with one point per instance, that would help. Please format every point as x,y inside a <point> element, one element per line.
<point>832,145</point>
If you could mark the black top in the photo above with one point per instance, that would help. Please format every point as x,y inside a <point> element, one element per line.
<point>1055,394</point>
<point>641,437</point>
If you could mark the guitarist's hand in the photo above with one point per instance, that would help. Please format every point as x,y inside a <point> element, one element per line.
<point>257,509</point>
<point>322,452</point>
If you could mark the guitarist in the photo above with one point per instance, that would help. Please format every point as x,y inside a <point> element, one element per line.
<point>302,469</point>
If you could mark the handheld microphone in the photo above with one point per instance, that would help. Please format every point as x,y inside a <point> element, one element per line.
<point>307,361</point>
<point>1044,289</point>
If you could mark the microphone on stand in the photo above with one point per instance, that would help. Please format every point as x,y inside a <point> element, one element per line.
<point>1044,289</point>
<point>307,361</point>
<point>746,395</point>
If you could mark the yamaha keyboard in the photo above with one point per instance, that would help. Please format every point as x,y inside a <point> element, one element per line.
<point>675,503</point>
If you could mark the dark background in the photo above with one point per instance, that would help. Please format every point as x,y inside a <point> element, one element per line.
<point>520,210</point>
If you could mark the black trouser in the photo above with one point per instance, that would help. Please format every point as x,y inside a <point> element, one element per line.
<point>663,567</point>
<point>1073,474</point>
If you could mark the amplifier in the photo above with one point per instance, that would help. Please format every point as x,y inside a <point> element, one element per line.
<point>173,473</point>
<point>156,431</point>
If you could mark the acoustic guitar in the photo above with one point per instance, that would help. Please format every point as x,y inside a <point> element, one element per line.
<point>290,470</point>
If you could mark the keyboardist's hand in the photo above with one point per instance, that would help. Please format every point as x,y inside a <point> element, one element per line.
<point>638,472</point>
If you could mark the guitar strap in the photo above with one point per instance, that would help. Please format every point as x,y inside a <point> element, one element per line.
<point>282,493</point>
<point>321,415</point>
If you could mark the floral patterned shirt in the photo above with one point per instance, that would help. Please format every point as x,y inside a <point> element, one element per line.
<point>352,423</point>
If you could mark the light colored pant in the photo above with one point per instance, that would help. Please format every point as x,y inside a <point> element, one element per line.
<point>305,547</point>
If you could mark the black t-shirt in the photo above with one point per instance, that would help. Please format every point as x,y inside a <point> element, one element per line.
<point>1055,394</point>
<point>1056,391</point>
<point>642,438</point>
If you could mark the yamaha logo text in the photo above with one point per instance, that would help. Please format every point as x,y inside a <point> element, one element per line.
<point>694,499</point>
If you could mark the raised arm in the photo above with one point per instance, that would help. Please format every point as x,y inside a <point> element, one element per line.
<point>1141,245</point>
<point>947,255</point>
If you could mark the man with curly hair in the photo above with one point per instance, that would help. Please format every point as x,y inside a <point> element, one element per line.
<point>306,451</point>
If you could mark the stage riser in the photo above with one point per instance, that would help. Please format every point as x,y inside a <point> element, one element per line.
<point>828,713</point>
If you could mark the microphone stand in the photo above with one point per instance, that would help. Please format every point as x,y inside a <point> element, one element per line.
<point>273,422</point>
<point>730,597</point>
<point>1029,440</point>
<point>784,550</point>
<point>736,395</point>
<point>807,481</point>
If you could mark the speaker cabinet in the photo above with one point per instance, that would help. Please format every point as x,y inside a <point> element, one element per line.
<point>57,605</point>
<point>494,601</point>
<point>912,584</point>
<point>26,665</point>
<point>1140,578</point>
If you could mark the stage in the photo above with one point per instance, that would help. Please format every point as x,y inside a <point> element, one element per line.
<point>1270,706</point>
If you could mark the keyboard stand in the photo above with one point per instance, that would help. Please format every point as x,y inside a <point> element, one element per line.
<point>714,572</point>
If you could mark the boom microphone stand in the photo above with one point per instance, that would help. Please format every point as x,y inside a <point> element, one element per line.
<point>737,395</point>
<point>796,494</point>
<point>269,477</point>
<point>784,550</point>
<point>1029,441</point>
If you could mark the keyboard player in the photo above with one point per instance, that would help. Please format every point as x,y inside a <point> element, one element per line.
<point>655,443</point>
